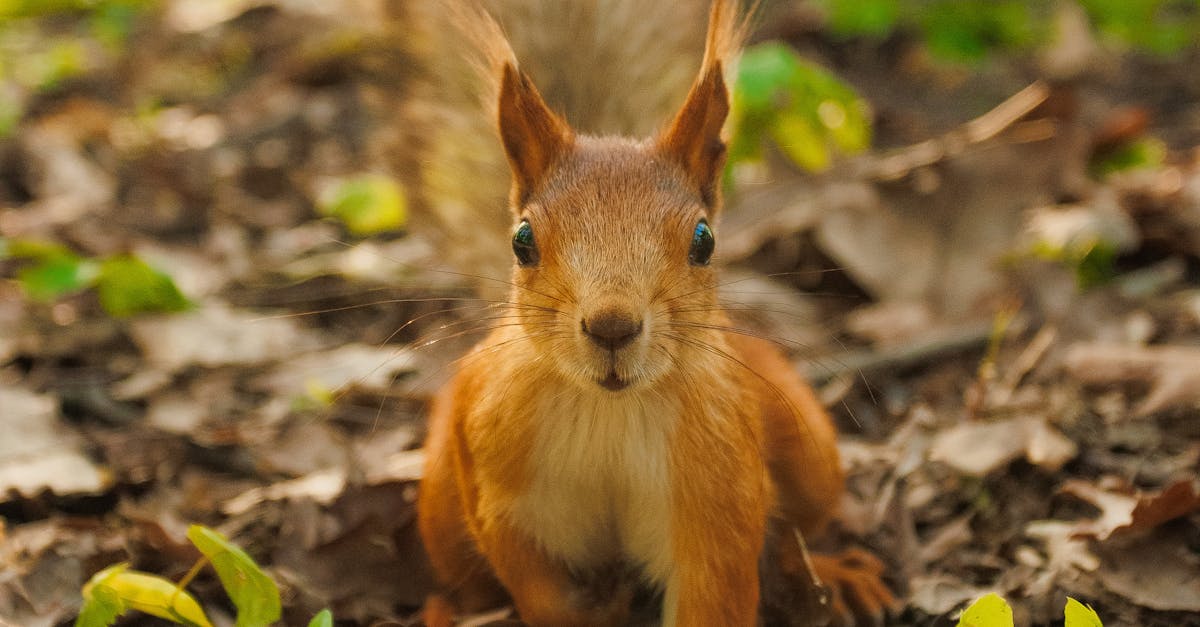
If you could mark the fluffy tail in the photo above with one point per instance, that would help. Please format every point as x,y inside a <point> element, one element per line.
<point>607,66</point>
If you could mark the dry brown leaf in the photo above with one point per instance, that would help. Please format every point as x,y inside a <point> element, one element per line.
<point>1122,513</point>
<point>1161,572</point>
<point>1178,499</point>
<point>949,537</point>
<point>38,453</point>
<point>938,594</point>
<point>1063,549</point>
<point>322,487</point>
<point>43,564</point>
<point>216,335</point>
<point>1173,372</point>
<point>358,365</point>
<point>363,541</point>
<point>979,448</point>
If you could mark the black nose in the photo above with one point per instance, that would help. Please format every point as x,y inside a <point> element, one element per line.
<point>612,329</point>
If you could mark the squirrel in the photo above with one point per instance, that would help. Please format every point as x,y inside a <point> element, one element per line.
<point>616,438</point>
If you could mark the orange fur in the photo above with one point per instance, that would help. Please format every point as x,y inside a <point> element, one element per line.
<point>566,472</point>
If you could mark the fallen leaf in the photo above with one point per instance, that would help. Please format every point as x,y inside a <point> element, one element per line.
<point>989,611</point>
<point>979,448</point>
<point>1077,614</point>
<point>938,594</point>
<point>255,595</point>
<point>1173,372</point>
<point>217,335</point>
<point>322,486</point>
<point>1178,499</point>
<point>1122,513</point>
<point>1065,552</point>
<point>38,453</point>
<point>1159,572</point>
<point>116,589</point>
<point>357,365</point>
<point>350,558</point>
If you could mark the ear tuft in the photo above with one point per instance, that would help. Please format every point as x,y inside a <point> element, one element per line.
<point>693,139</point>
<point>534,137</point>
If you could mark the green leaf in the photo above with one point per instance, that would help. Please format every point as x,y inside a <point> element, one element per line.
<point>1095,265</point>
<point>101,604</point>
<point>988,611</point>
<point>116,589</point>
<point>54,277</point>
<point>806,111</point>
<point>127,286</point>
<point>799,140</point>
<point>874,18</point>
<point>324,618</point>
<point>253,593</point>
<point>367,205</point>
<point>967,31</point>
<point>1139,154</point>
<point>33,249</point>
<point>1080,615</point>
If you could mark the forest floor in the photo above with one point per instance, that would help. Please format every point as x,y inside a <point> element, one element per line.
<point>1007,336</point>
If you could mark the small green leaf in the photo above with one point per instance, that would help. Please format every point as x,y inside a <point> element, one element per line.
<point>1080,615</point>
<point>1096,265</point>
<point>253,593</point>
<point>800,141</point>
<point>54,277</point>
<point>1143,153</point>
<point>874,18</point>
<point>101,604</point>
<point>127,286</point>
<point>35,249</point>
<point>324,618</point>
<point>806,111</point>
<point>367,205</point>
<point>989,611</point>
<point>116,589</point>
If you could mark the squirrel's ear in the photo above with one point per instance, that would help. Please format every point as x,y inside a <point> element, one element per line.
<point>693,140</point>
<point>534,137</point>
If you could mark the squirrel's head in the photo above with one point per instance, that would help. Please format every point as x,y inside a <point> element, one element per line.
<point>613,237</point>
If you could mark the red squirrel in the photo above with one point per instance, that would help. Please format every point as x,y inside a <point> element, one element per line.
<point>615,432</point>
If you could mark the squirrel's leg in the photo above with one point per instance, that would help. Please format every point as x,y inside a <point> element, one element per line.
<point>718,514</point>
<point>464,579</point>
<point>543,589</point>
<point>808,479</point>
<point>801,449</point>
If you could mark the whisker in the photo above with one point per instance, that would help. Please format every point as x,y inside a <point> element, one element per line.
<point>389,301</point>
<point>455,273</point>
<point>779,394</point>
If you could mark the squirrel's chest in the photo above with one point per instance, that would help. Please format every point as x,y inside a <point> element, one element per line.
<point>600,484</point>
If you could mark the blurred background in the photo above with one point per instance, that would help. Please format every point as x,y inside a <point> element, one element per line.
<point>242,241</point>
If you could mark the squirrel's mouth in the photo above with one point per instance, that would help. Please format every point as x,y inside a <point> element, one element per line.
<point>613,383</point>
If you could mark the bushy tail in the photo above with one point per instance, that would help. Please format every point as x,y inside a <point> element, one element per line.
<point>608,66</point>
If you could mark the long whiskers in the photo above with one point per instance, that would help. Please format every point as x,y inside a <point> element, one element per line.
<point>775,390</point>
<point>560,299</point>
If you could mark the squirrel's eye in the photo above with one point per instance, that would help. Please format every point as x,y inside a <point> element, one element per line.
<point>702,244</point>
<point>523,245</point>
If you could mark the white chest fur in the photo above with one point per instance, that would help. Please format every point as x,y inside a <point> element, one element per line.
<point>600,489</point>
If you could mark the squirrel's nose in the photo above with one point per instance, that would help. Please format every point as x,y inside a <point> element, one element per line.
<point>612,329</point>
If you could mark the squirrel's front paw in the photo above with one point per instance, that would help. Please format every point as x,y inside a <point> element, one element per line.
<point>858,595</point>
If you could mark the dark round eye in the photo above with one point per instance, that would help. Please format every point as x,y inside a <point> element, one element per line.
<point>523,245</point>
<point>702,244</point>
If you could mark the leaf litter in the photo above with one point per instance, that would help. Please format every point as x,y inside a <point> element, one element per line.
<point>286,409</point>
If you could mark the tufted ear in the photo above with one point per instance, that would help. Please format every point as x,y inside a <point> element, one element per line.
<point>693,140</point>
<point>533,136</point>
